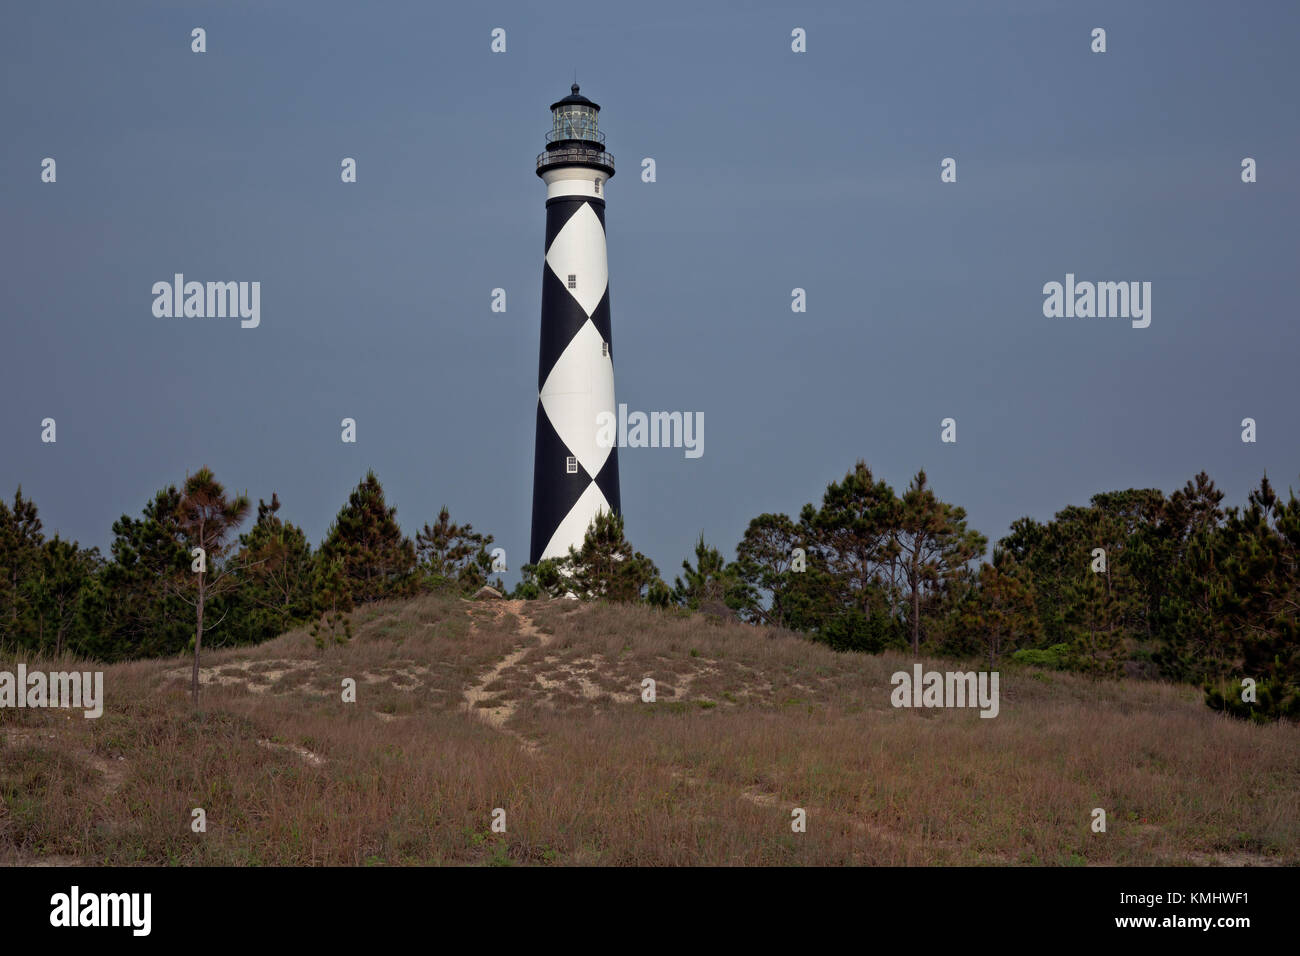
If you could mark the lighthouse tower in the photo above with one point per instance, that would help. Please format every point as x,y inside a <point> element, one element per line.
<point>575,476</point>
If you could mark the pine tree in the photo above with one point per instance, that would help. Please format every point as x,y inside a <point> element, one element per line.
<point>21,543</point>
<point>274,568</point>
<point>143,614</point>
<point>1258,608</point>
<point>607,566</point>
<point>331,602</point>
<point>58,595</point>
<point>1106,607</point>
<point>544,577</point>
<point>855,535</point>
<point>712,583</point>
<point>207,518</point>
<point>933,546</point>
<point>1181,577</point>
<point>1032,545</point>
<point>1125,523</point>
<point>1000,611</point>
<point>377,560</point>
<point>770,590</point>
<point>453,554</point>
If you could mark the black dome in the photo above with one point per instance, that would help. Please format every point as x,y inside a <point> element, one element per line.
<point>575,99</point>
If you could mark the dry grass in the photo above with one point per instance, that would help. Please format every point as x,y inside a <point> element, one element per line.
<point>463,708</point>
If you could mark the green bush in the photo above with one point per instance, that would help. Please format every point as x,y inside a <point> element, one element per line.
<point>1057,657</point>
<point>1274,700</point>
<point>852,630</point>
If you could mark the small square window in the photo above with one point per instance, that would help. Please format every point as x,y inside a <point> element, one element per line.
<point>571,465</point>
<point>573,281</point>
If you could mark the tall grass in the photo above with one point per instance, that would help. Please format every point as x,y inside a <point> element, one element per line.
<point>749,724</point>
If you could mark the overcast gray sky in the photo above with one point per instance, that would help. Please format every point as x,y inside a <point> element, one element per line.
<point>775,170</point>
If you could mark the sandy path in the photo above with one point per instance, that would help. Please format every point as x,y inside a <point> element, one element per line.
<point>497,715</point>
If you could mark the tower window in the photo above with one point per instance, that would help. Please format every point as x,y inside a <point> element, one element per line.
<point>604,349</point>
<point>597,185</point>
<point>571,465</point>
<point>573,281</point>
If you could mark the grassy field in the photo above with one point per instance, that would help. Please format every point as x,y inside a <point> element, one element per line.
<point>535,708</point>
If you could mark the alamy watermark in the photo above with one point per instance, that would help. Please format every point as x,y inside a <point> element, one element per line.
<point>211,300</point>
<point>71,689</point>
<point>1102,300</point>
<point>946,689</point>
<point>655,430</point>
<point>129,910</point>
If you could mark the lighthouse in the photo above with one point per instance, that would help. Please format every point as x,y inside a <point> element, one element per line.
<point>575,476</point>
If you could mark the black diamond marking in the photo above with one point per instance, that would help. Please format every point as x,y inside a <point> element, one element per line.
<point>562,319</point>
<point>559,213</point>
<point>600,319</point>
<point>607,481</point>
<point>555,492</point>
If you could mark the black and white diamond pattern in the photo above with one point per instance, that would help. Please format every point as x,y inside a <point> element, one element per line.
<point>575,381</point>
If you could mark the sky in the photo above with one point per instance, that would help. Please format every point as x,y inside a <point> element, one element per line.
<point>775,170</point>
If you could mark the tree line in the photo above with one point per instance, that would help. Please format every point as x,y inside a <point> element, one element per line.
<point>1136,584</point>
<point>177,575</point>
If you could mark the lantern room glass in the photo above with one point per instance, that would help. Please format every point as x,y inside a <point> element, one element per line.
<point>574,122</point>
